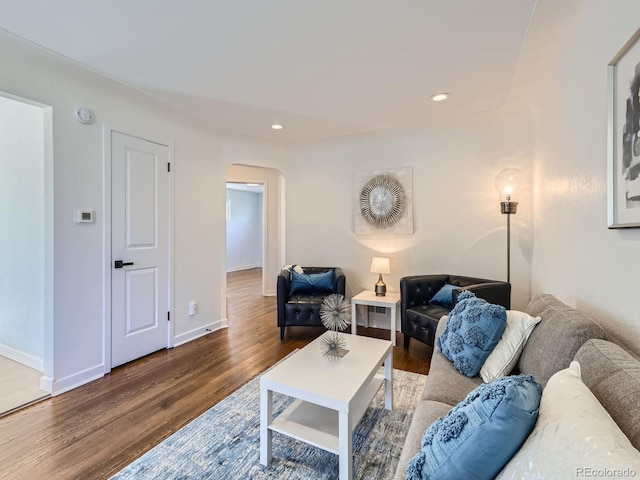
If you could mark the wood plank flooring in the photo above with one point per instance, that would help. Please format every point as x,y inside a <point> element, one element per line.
<point>94,431</point>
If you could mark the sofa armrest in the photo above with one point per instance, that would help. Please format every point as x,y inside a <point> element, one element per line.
<point>493,292</point>
<point>340,281</point>
<point>283,286</point>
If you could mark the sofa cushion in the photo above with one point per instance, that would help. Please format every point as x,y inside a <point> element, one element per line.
<point>613,375</point>
<point>473,330</point>
<point>302,283</point>
<point>444,296</point>
<point>439,386</point>
<point>425,413</point>
<point>445,384</point>
<point>479,435</point>
<point>555,341</point>
<point>430,313</point>
<point>507,352</point>
<point>574,437</point>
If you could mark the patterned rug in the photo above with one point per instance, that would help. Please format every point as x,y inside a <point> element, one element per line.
<point>224,442</point>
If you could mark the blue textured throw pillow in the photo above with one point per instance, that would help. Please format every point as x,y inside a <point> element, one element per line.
<point>444,296</point>
<point>478,437</point>
<point>302,283</point>
<point>473,330</point>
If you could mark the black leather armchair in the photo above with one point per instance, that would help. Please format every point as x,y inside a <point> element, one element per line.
<point>304,309</point>
<point>419,319</point>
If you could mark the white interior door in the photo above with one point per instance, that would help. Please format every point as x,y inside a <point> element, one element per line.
<point>140,189</point>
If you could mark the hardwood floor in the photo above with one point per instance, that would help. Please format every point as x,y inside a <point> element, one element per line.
<point>94,431</point>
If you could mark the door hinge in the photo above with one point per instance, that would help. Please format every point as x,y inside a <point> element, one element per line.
<point>168,166</point>
<point>168,316</point>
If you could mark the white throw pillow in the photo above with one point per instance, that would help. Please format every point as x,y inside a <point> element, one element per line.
<point>296,268</point>
<point>507,352</point>
<point>574,437</point>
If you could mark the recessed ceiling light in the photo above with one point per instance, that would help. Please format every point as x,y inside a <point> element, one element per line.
<point>277,126</point>
<point>438,97</point>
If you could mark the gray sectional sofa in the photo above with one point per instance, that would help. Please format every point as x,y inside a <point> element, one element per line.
<point>564,334</point>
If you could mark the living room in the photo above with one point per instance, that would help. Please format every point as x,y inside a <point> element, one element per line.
<point>552,125</point>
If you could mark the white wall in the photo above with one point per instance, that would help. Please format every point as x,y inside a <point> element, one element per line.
<point>458,225</point>
<point>22,242</point>
<point>201,159</point>
<point>79,268</point>
<point>244,230</point>
<point>576,257</point>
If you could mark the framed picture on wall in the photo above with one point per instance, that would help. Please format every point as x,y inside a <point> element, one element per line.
<point>624,137</point>
<point>383,202</point>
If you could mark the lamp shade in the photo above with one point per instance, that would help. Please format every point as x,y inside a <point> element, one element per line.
<point>380,265</point>
<point>508,184</point>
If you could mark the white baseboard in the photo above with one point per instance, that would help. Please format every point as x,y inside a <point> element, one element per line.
<point>73,381</point>
<point>57,387</point>
<point>380,324</point>
<point>376,320</point>
<point>199,332</point>
<point>19,356</point>
<point>243,267</point>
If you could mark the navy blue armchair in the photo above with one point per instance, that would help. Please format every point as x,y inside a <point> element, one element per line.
<point>419,318</point>
<point>303,308</point>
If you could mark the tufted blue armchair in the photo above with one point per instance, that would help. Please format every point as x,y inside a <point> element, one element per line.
<point>303,308</point>
<point>419,318</point>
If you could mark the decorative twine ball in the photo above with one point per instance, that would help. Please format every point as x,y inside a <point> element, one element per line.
<point>335,312</point>
<point>333,346</point>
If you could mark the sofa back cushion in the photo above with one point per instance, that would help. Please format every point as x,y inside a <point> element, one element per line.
<point>556,339</point>
<point>613,376</point>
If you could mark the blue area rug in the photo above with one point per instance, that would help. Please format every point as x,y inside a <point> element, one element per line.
<point>224,442</point>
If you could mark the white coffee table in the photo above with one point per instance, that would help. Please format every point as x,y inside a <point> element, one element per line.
<point>332,396</point>
<point>369,298</point>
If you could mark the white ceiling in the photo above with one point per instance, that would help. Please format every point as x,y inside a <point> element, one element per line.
<point>321,68</point>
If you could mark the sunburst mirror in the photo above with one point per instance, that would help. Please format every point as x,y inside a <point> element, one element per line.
<point>383,201</point>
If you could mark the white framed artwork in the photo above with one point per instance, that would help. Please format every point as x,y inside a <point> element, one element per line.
<point>383,202</point>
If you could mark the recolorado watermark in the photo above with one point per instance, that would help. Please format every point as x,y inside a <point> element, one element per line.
<point>589,472</point>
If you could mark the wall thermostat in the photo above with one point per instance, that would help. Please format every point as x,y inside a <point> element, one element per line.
<point>84,216</point>
<point>85,115</point>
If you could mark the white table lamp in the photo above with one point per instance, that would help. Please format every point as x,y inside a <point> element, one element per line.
<point>380,265</point>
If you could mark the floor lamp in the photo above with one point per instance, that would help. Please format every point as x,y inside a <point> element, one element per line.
<point>508,183</point>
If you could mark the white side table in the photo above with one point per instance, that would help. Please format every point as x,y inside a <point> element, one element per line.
<point>368,297</point>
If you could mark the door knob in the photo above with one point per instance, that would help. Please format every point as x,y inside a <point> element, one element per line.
<point>120,264</point>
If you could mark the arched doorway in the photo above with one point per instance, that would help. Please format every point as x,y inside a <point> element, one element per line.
<point>269,185</point>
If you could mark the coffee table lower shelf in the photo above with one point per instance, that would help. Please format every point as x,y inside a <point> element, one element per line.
<point>319,426</point>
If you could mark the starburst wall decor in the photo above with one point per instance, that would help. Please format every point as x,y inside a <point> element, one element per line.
<point>384,202</point>
<point>335,313</point>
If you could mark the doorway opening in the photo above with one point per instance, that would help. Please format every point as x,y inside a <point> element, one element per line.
<point>255,225</point>
<point>26,252</point>
<point>245,226</point>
